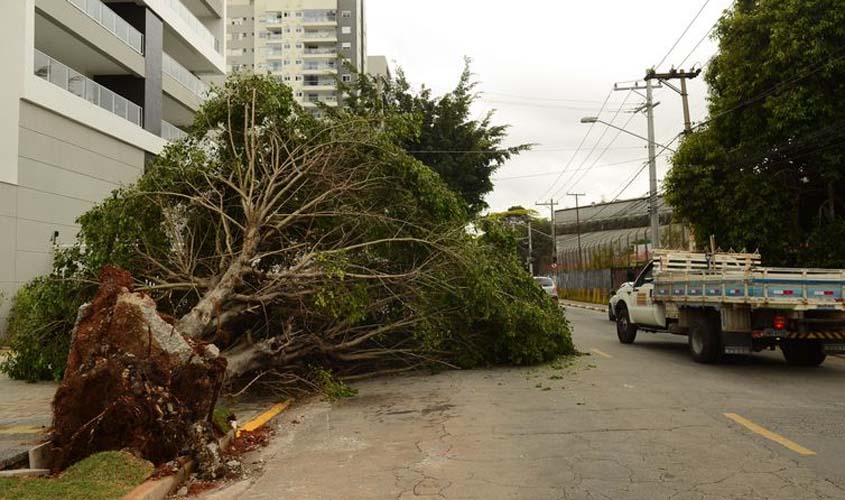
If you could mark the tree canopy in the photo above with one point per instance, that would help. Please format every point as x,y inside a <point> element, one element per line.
<point>299,246</point>
<point>439,131</point>
<point>766,171</point>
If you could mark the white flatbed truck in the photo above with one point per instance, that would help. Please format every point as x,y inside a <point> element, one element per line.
<point>727,303</point>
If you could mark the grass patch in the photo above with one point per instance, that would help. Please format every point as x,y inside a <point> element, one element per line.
<point>104,476</point>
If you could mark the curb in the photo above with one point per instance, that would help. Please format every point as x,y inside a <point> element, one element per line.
<point>159,489</point>
<point>581,305</point>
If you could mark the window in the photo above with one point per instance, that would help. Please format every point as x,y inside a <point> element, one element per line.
<point>298,78</point>
<point>346,30</point>
<point>287,78</point>
<point>285,14</point>
<point>299,94</point>
<point>237,21</point>
<point>298,45</point>
<point>346,45</point>
<point>346,78</point>
<point>346,13</point>
<point>287,45</point>
<point>298,62</point>
<point>299,13</point>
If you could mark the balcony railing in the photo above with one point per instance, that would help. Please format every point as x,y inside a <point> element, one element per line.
<point>319,83</point>
<point>195,24</point>
<point>319,35</point>
<point>170,132</point>
<point>74,82</point>
<point>320,50</point>
<point>183,76</point>
<point>315,66</point>
<point>325,18</point>
<point>108,19</point>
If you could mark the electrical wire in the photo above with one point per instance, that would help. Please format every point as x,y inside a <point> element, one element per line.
<point>568,182</point>
<point>545,174</point>
<point>572,158</point>
<point>706,2</point>
<point>691,52</point>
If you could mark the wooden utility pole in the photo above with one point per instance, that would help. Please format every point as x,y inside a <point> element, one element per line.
<point>578,227</point>
<point>683,76</point>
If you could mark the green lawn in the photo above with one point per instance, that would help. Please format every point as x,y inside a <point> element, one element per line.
<point>103,476</point>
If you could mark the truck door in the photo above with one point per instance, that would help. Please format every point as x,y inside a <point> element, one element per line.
<point>642,298</point>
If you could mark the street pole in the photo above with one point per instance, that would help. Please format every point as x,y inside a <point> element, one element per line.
<point>578,226</point>
<point>652,168</point>
<point>551,204</point>
<point>530,251</point>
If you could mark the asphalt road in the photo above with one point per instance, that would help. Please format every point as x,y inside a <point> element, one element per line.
<point>628,422</point>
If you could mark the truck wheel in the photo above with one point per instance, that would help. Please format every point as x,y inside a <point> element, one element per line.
<point>705,343</point>
<point>625,330</point>
<point>803,353</point>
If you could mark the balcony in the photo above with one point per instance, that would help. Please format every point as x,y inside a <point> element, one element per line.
<point>108,19</point>
<point>74,82</point>
<point>170,132</point>
<point>195,25</point>
<point>320,51</point>
<point>319,84</point>
<point>320,36</point>
<point>313,99</point>
<point>183,76</point>
<point>319,67</point>
<point>319,19</point>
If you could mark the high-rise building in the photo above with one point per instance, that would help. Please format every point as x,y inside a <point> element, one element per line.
<point>305,44</point>
<point>92,90</point>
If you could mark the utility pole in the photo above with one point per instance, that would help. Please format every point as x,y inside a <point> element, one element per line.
<point>578,226</point>
<point>530,250</point>
<point>551,204</point>
<point>654,216</point>
<point>683,76</point>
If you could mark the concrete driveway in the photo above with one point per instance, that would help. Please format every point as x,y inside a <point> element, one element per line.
<point>628,422</point>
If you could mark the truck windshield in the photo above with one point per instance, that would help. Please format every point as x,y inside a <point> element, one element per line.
<point>544,281</point>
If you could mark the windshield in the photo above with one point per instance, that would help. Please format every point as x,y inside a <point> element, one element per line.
<point>544,281</point>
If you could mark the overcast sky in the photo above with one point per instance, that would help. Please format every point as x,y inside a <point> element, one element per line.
<point>544,64</point>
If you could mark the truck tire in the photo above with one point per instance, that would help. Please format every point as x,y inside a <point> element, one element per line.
<point>803,353</point>
<point>625,330</point>
<point>705,342</point>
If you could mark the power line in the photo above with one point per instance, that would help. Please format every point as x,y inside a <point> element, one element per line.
<point>506,150</point>
<point>566,185</point>
<point>548,99</point>
<point>545,174</point>
<point>572,158</point>
<point>699,43</point>
<point>682,34</point>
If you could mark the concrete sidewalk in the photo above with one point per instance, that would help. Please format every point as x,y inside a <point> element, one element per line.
<point>25,415</point>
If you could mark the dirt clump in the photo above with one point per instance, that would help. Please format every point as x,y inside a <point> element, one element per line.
<point>133,381</point>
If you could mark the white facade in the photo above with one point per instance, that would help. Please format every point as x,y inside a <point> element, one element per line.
<point>92,90</point>
<point>306,44</point>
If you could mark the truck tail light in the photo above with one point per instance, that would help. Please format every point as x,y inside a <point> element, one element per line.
<point>780,322</point>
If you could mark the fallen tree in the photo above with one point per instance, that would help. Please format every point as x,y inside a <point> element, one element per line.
<point>308,250</point>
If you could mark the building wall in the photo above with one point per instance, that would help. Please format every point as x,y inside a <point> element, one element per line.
<point>65,168</point>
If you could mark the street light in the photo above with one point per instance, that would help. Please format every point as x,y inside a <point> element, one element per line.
<point>595,119</point>
<point>654,216</point>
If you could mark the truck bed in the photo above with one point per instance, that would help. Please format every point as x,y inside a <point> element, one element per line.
<point>685,277</point>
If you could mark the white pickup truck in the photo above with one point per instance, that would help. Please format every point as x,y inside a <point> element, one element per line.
<point>728,303</point>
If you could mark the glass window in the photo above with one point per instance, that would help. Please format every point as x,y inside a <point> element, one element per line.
<point>346,30</point>
<point>346,45</point>
<point>346,13</point>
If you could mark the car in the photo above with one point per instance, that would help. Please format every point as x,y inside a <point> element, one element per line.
<point>614,299</point>
<point>548,286</point>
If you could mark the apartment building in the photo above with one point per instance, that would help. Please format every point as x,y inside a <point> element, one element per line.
<point>92,91</point>
<point>303,43</point>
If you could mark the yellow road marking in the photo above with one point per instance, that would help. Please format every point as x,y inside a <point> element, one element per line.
<point>602,353</point>
<point>20,429</point>
<point>265,417</point>
<point>772,436</point>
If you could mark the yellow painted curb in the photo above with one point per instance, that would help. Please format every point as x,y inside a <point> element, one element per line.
<point>265,417</point>
<point>21,429</point>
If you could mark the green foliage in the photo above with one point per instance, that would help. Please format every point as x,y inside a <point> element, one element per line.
<point>764,172</point>
<point>331,386</point>
<point>505,317</point>
<point>470,302</point>
<point>104,476</point>
<point>439,131</point>
<point>41,318</point>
